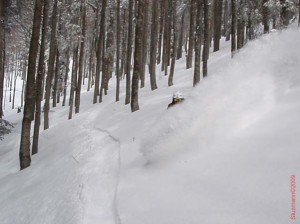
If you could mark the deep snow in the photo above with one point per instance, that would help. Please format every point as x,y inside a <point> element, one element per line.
<point>225,155</point>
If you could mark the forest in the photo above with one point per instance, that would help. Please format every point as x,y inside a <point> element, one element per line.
<point>149,111</point>
<point>59,47</point>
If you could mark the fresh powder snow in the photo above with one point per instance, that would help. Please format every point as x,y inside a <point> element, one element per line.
<point>224,155</point>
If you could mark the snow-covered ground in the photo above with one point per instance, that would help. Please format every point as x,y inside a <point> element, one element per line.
<point>225,155</point>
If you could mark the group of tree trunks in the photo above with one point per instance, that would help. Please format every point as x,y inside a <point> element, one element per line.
<point>109,37</point>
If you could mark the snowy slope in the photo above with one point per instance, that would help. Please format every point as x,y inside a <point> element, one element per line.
<point>223,156</point>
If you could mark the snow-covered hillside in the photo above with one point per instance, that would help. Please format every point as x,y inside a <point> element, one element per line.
<point>225,155</point>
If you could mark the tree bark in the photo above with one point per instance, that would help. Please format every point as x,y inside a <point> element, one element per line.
<point>189,61</point>
<point>73,82</point>
<point>206,43</point>
<point>217,24</point>
<point>145,41</point>
<point>51,65</point>
<point>81,56</point>
<point>198,42</point>
<point>153,45</point>
<point>265,14</point>
<point>129,52</point>
<point>66,77</point>
<point>233,27</point>
<point>138,55</point>
<point>2,54</point>
<point>24,154</point>
<point>56,75</point>
<point>174,56</point>
<point>99,50</point>
<point>118,52</point>
<point>40,79</point>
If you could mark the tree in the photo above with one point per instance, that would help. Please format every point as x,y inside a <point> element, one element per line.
<point>233,27</point>
<point>2,54</point>
<point>40,79</point>
<point>191,34</point>
<point>129,52</point>
<point>265,14</point>
<point>118,52</point>
<point>206,43</point>
<point>24,153</point>
<point>81,56</point>
<point>174,49</point>
<point>217,23</point>
<point>99,50</point>
<point>138,55</point>
<point>153,45</point>
<point>53,47</point>
<point>198,43</point>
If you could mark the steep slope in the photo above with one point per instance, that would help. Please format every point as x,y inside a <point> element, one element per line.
<point>223,156</point>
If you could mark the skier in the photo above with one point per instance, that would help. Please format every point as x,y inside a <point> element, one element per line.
<point>177,98</point>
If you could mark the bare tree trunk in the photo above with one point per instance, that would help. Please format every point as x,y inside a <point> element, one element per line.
<point>145,41</point>
<point>2,55</point>
<point>66,77</point>
<point>51,65</point>
<point>181,33</point>
<point>73,82</point>
<point>56,71</point>
<point>233,27</point>
<point>174,56</point>
<point>189,61</point>
<point>81,56</point>
<point>99,50</point>
<point>40,79</point>
<point>240,32</point>
<point>161,27</point>
<point>198,42</point>
<point>138,55</point>
<point>24,153</point>
<point>129,52</point>
<point>153,45</point>
<point>118,52</point>
<point>265,14</point>
<point>217,24</point>
<point>206,36</point>
<point>299,13</point>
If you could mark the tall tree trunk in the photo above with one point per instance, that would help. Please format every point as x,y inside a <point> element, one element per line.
<point>40,79</point>
<point>2,55</point>
<point>66,77</point>
<point>51,65</point>
<point>206,36</point>
<point>174,56</point>
<point>81,56</point>
<point>265,14</point>
<point>138,55</point>
<point>240,32</point>
<point>299,13</point>
<point>189,61</point>
<point>24,153</point>
<point>118,51</point>
<point>145,41</point>
<point>73,82</point>
<point>198,42</point>
<point>217,24</point>
<point>153,45</point>
<point>56,75</point>
<point>129,52</point>
<point>233,27</point>
<point>181,34</point>
<point>161,27</point>
<point>99,50</point>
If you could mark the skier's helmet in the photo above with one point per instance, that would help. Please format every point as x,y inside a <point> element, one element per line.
<point>178,96</point>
